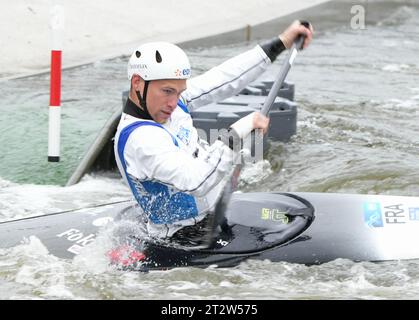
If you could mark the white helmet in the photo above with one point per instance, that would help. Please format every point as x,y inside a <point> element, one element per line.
<point>159,60</point>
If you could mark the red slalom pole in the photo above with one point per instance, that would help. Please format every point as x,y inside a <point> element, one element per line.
<point>55,85</point>
<point>54,108</point>
<point>54,126</point>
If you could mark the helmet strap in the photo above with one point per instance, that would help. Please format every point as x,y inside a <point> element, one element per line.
<point>143,99</point>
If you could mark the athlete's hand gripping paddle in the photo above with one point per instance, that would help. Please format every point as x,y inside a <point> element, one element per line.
<point>218,217</point>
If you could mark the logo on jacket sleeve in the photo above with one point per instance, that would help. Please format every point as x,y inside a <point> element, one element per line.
<point>184,134</point>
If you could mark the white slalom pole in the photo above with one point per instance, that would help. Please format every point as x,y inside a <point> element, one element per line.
<point>57,27</point>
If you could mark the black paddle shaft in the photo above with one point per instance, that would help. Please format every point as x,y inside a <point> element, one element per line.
<point>279,82</point>
<point>218,218</point>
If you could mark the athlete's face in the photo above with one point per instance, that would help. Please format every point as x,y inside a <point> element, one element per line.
<point>163,96</point>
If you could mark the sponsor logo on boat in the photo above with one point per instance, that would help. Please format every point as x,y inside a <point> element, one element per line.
<point>395,214</point>
<point>78,238</point>
<point>372,215</point>
<point>274,215</point>
<point>414,213</point>
<point>100,222</point>
<point>378,215</point>
<point>222,242</point>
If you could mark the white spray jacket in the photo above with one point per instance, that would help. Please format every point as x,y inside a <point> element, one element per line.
<point>175,177</point>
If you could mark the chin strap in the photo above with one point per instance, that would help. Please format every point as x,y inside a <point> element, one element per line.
<point>143,99</point>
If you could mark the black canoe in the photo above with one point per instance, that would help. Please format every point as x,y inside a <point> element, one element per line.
<point>307,228</point>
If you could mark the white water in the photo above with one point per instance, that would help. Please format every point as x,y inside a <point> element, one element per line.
<point>29,272</point>
<point>27,200</point>
<point>357,133</point>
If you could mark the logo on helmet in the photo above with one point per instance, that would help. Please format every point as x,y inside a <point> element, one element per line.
<point>184,72</point>
<point>138,66</point>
